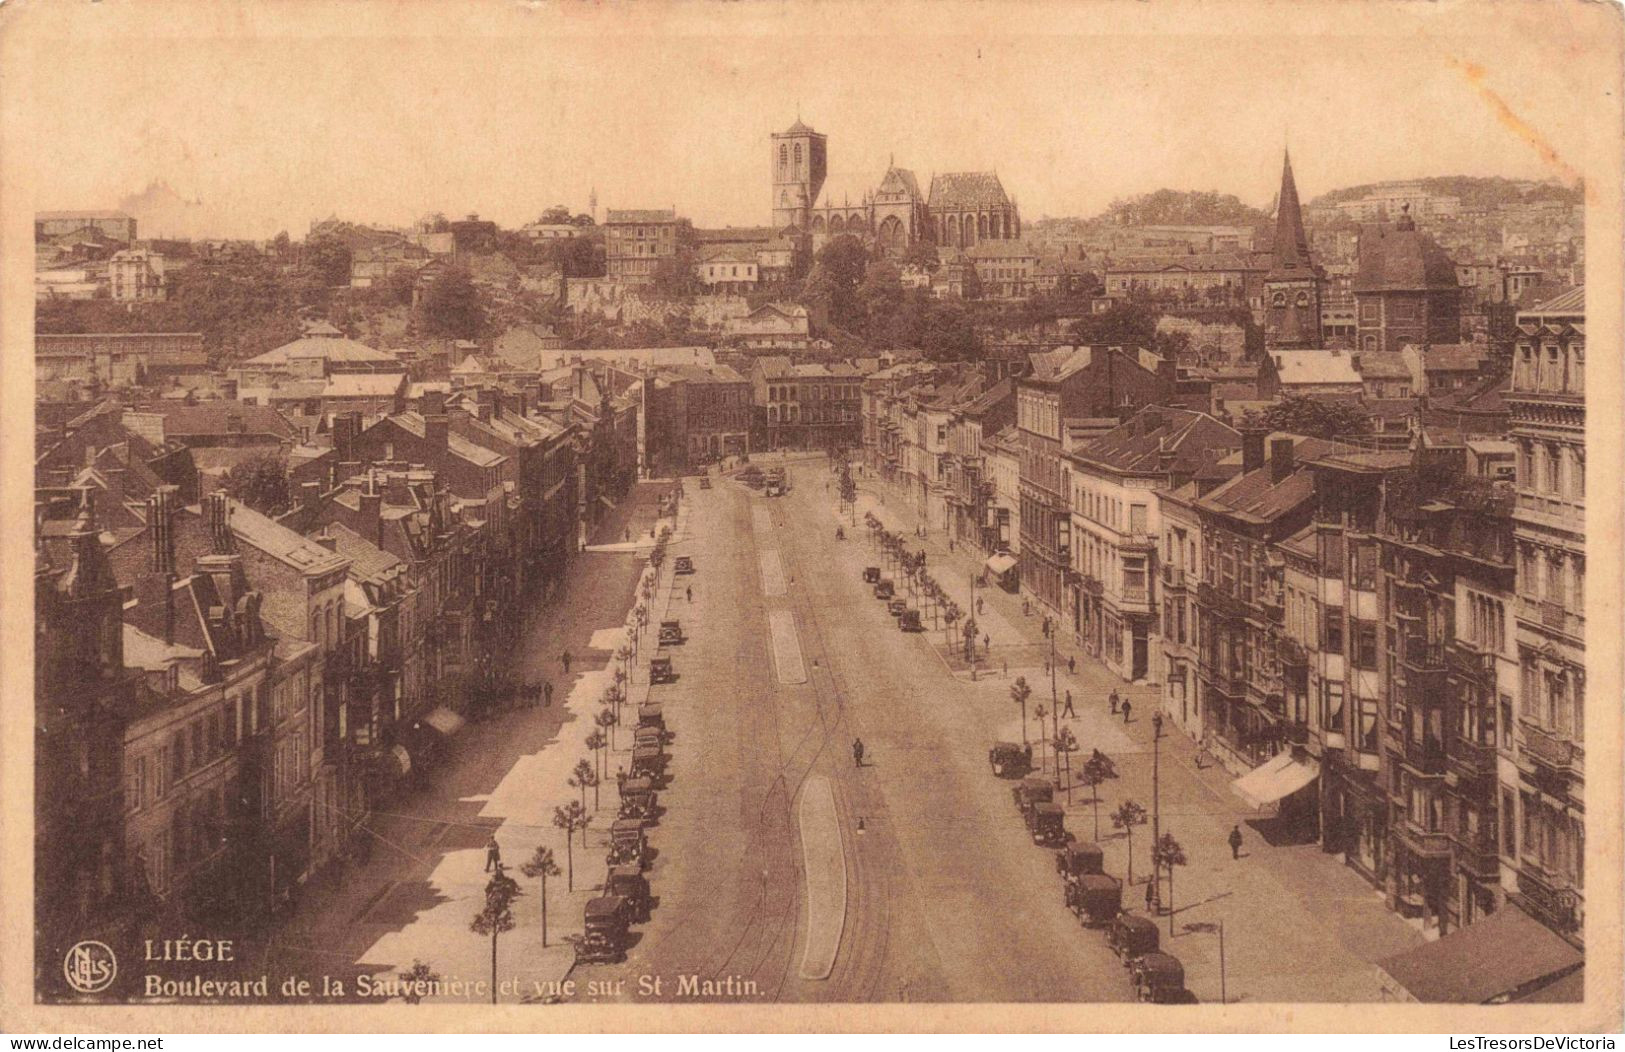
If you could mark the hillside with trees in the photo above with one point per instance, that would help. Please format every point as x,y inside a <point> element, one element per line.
<point>1474,191</point>
<point>1184,208</point>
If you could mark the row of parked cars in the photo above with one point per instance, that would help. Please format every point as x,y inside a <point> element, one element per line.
<point>626,899</point>
<point>1092,894</point>
<point>908,618</point>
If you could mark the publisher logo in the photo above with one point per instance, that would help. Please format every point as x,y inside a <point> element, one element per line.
<point>90,966</point>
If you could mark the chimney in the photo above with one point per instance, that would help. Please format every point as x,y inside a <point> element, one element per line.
<point>346,428</point>
<point>396,492</point>
<point>326,540</point>
<point>160,508</point>
<point>1281,459</point>
<point>234,423</point>
<point>485,404</point>
<point>217,519</point>
<point>372,519</point>
<point>432,403</point>
<point>1252,449</point>
<point>309,494</point>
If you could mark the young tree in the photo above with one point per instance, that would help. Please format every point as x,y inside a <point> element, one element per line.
<point>1019,693</point>
<point>596,742</point>
<point>496,917</point>
<point>1168,853</point>
<point>569,818</point>
<point>1093,774</point>
<point>418,973</point>
<point>606,721</point>
<point>541,865</point>
<point>583,776</point>
<point>261,482</point>
<point>1040,712</point>
<point>1128,815</point>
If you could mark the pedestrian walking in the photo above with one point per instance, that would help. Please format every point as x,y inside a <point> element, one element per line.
<point>978,608</point>
<point>1127,708</point>
<point>493,855</point>
<point>690,593</point>
<point>987,644</point>
<point>564,659</point>
<point>620,778</point>
<point>1235,841</point>
<point>1007,670</point>
<point>1068,712</point>
<point>1113,700</point>
<point>1072,665</point>
<point>547,694</point>
<point>628,535</point>
<point>857,751</point>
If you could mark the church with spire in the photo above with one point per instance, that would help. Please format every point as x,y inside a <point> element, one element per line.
<point>1294,285</point>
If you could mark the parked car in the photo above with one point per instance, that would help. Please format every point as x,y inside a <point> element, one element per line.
<point>603,937</point>
<point>910,621</point>
<point>871,575</point>
<point>884,589</point>
<point>671,633</point>
<point>660,670</point>
<point>896,607</point>
<point>1010,760</point>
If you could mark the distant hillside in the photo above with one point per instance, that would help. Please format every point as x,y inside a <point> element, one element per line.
<point>1474,191</point>
<point>1184,208</point>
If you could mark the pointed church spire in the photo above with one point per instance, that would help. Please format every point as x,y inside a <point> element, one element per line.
<point>1291,243</point>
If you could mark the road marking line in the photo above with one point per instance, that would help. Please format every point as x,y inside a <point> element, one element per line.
<point>786,647</point>
<point>824,859</point>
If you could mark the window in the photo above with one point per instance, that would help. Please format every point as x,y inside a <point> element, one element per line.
<point>1505,703</point>
<point>1553,476</point>
<point>1365,646</point>
<point>1334,630</point>
<point>1331,705</point>
<point>1366,732</point>
<point>178,756</point>
<point>1577,369</point>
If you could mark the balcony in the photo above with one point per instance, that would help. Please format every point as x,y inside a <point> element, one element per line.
<point>1274,610</point>
<point>1422,654</point>
<point>1469,760</point>
<point>1469,662</point>
<point>1426,757</point>
<point>1135,601</point>
<point>1422,842</point>
<point>1549,750</point>
<point>1138,542</point>
<point>1552,897</point>
<point>1222,603</point>
<point>1173,577</point>
<point>1293,654</point>
<point>1229,682</point>
<point>1552,616</point>
<point>1478,855</point>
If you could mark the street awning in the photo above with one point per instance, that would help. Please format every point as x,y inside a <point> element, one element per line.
<point>1473,965</point>
<point>1001,564</point>
<point>403,759</point>
<point>444,720</point>
<point>1280,776</point>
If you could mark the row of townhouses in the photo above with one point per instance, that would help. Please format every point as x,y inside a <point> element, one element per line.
<point>1384,643</point>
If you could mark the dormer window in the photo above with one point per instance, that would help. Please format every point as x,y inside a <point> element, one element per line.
<point>1278,300</point>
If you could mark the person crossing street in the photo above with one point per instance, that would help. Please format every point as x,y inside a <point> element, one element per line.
<point>1235,842</point>
<point>857,752</point>
<point>1068,710</point>
<point>493,855</point>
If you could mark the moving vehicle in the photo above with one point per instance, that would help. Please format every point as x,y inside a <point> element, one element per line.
<point>1048,824</point>
<point>1132,937</point>
<point>603,937</point>
<point>1030,792</point>
<point>1010,760</point>
<point>671,633</point>
<point>660,670</point>
<point>896,607</point>
<point>627,844</point>
<point>910,621</point>
<point>629,883</point>
<point>638,798</point>
<point>1096,898</point>
<point>884,589</point>
<point>647,762</point>
<point>871,575</point>
<point>683,566</point>
<point>705,481</point>
<point>774,486</point>
<point>1160,978</point>
<point>1080,859</point>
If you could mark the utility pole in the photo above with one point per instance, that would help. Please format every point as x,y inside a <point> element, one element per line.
<point>1223,996</point>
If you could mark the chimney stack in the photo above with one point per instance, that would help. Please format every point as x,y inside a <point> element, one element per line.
<point>217,517</point>
<point>1282,462</point>
<point>160,509</point>
<point>372,517</point>
<point>346,428</point>
<point>1252,448</point>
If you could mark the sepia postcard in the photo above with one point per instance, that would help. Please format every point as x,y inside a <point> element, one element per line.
<point>794,515</point>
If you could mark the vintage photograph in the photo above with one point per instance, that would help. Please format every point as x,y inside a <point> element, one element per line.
<point>797,504</point>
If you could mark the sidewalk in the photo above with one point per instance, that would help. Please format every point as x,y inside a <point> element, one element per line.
<point>1299,926</point>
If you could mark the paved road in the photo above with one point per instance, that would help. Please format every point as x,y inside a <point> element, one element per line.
<point>946,898</point>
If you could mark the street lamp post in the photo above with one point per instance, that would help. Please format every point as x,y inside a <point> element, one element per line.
<point>1156,808</point>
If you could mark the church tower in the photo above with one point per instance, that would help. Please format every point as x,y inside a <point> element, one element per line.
<point>800,163</point>
<point>1294,284</point>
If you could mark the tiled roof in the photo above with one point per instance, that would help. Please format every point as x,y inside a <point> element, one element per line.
<point>1201,262</point>
<point>1383,364</point>
<point>641,215</point>
<point>363,385</point>
<point>1454,357</point>
<point>1257,497</point>
<point>367,560</point>
<point>336,349</point>
<point>1139,443</point>
<point>1315,367</point>
<point>210,418</point>
<point>455,443</point>
<point>279,542</point>
<point>899,180</point>
<point>1569,301</point>
<point>961,190</point>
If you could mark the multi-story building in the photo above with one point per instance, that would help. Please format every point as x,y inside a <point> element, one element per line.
<point>1005,270</point>
<point>116,225</point>
<point>1117,527</point>
<point>1002,454</point>
<point>637,240</point>
<point>1065,385</point>
<point>1405,290</point>
<point>136,275</point>
<point>807,405</point>
<point>1546,404</point>
<point>974,517</point>
<point>1208,278</point>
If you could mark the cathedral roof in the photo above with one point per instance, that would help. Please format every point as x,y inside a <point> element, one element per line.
<point>965,190</point>
<point>799,129</point>
<point>900,180</point>
<point>1402,258</point>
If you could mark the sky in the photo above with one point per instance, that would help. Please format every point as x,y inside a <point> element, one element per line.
<point>272,117</point>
